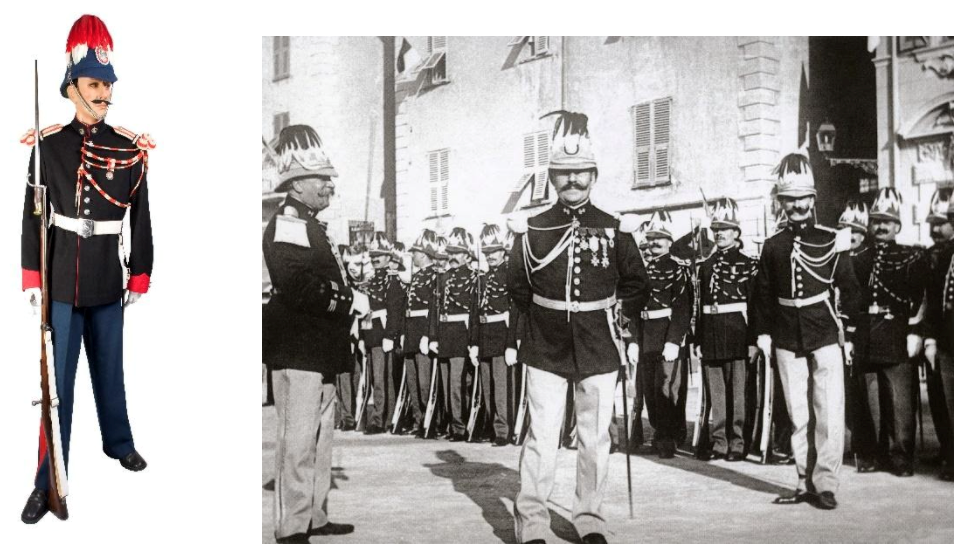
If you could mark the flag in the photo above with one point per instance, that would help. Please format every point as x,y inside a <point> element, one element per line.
<point>407,58</point>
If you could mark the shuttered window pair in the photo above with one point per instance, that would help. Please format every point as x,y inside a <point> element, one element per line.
<point>435,65</point>
<point>539,45</point>
<point>438,165</point>
<point>651,142</point>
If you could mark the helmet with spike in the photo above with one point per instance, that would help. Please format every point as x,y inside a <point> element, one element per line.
<point>88,49</point>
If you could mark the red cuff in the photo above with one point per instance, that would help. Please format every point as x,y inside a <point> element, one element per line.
<point>31,278</point>
<point>139,283</point>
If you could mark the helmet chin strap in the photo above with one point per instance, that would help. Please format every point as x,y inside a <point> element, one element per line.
<point>89,109</point>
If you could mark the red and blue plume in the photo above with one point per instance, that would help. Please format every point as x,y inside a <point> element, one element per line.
<point>88,32</point>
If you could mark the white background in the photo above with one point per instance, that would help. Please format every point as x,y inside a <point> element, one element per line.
<point>190,76</point>
<point>192,343</point>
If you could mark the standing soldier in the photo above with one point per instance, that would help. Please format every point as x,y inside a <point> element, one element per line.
<point>942,234</point>
<point>799,268</point>
<point>855,218</point>
<point>305,335</point>
<point>725,344</point>
<point>660,334</point>
<point>93,173</point>
<point>893,282</point>
<point>491,335</point>
<point>418,302</point>
<point>379,332</point>
<point>451,334</point>
<point>356,263</point>
<point>572,267</point>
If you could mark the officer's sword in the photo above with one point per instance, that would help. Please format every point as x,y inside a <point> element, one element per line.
<point>49,402</point>
<point>625,366</point>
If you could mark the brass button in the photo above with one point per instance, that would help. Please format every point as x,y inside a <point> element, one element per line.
<point>576,281</point>
<point>94,130</point>
<point>82,131</point>
<point>576,292</point>
<point>576,269</point>
<point>86,200</point>
<point>86,188</point>
<point>85,212</point>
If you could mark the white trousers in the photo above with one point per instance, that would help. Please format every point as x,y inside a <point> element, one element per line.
<point>546,394</point>
<point>815,386</point>
<point>306,422</point>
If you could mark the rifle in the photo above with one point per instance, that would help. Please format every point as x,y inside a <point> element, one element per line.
<point>767,400</point>
<point>49,401</point>
<point>625,365</point>
<point>475,405</point>
<point>519,425</point>
<point>431,398</point>
<point>363,392</point>
<point>401,404</point>
<point>702,408</point>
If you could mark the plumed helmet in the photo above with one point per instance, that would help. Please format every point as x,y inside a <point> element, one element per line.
<point>88,50</point>
<point>300,155</point>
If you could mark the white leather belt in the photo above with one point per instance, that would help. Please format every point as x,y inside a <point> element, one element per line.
<point>576,305</point>
<point>496,318</point>
<point>802,302</point>
<point>725,308</point>
<point>656,314</point>
<point>382,314</point>
<point>87,227</point>
<point>874,309</point>
<point>456,318</point>
<point>417,313</point>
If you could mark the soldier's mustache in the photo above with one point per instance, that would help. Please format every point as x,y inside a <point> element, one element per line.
<point>800,209</point>
<point>572,185</point>
<point>102,101</point>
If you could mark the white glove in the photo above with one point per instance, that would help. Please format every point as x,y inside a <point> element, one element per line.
<point>360,304</point>
<point>510,356</point>
<point>764,343</point>
<point>753,351</point>
<point>33,296</point>
<point>632,353</point>
<point>915,343</point>
<point>930,352</point>
<point>474,352</point>
<point>131,297</point>
<point>401,345</point>
<point>423,345</point>
<point>387,345</point>
<point>697,349</point>
<point>433,346</point>
<point>361,346</point>
<point>849,353</point>
<point>670,351</point>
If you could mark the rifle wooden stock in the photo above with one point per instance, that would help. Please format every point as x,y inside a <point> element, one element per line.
<point>50,423</point>
<point>400,403</point>
<point>431,398</point>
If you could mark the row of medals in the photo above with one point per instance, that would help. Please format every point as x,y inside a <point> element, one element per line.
<point>594,240</point>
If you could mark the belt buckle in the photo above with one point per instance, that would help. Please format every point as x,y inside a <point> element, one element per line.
<point>873,309</point>
<point>85,228</point>
<point>715,307</point>
<point>575,306</point>
<point>483,319</point>
<point>443,319</point>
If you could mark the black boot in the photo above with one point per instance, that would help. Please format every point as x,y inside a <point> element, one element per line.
<point>36,507</point>
<point>133,462</point>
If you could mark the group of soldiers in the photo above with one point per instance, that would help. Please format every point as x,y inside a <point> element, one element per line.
<point>535,333</point>
<point>431,357</point>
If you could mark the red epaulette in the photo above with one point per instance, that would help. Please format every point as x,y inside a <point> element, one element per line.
<point>30,139</point>
<point>143,141</point>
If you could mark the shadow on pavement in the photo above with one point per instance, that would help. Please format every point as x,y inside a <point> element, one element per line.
<point>486,484</point>
<point>709,470</point>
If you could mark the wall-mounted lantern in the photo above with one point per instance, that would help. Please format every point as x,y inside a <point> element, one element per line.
<point>826,137</point>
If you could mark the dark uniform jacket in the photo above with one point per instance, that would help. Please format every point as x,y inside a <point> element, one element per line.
<point>493,300</point>
<point>726,277</point>
<point>386,299</point>
<point>306,324</point>
<point>670,287</point>
<point>420,294</point>
<point>805,329</point>
<point>458,297</point>
<point>585,343</point>
<point>938,322</point>
<point>893,279</point>
<point>87,271</point>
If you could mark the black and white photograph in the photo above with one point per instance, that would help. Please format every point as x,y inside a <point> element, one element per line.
<point>542,289</point>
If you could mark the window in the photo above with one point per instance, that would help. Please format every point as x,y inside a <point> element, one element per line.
<point>279,121</point>
<point>282,57</point>
<point>867,185</point>
<point>439,177</point>
<point>651,142</point>
<point>536,161</point>
<point>538,45</point>
<point>435,66</point>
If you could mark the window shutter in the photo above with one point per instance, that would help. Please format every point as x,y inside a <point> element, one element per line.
<point>529,152</point>
<point>445,180</point>
<point>432,160</point>
<point>642,140</point>
<point>541,44</point>
<point>436,43</point>
<point>661,119</point>
<point>281,52</point>
<point>543,161</point>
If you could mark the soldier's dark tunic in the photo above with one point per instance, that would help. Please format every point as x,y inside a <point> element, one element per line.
<point>456,318</point>
<point>665,319</point>
<point>492,336</point>
<point>893,280</point>
<point>305,325</point>
<point>726,282</point>
<point>85,274</point>
<point>571,344</point>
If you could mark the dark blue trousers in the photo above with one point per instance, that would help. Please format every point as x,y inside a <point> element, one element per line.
<point>101,330</point>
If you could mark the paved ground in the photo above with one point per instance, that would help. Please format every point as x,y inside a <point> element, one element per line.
<point>398,489</point>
